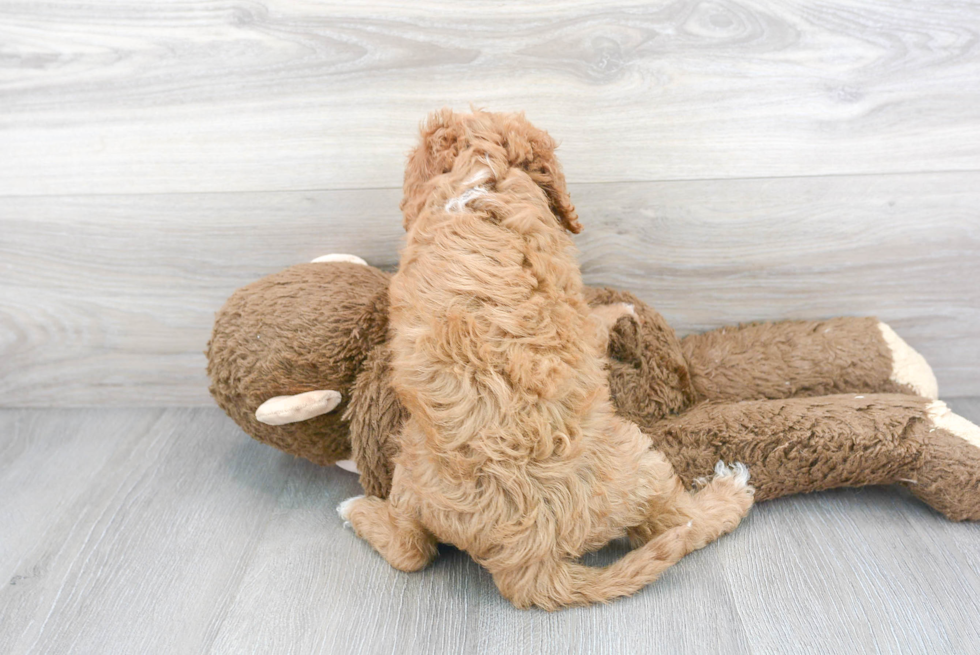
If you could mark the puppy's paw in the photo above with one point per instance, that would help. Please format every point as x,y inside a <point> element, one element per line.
<point>344,509</point>
<point>738,471</point>
<point>729,489</point>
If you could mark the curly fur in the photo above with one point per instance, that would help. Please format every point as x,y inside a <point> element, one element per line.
<point>512,450</point>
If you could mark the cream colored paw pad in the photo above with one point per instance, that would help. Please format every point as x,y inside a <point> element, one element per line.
<point>908,366</point>
<point>944,419</point>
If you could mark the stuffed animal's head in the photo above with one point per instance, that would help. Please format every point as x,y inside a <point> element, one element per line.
<point>291,346</point>
<point>501,140</point>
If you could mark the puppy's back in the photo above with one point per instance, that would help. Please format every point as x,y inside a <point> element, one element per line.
<point>491,326</point>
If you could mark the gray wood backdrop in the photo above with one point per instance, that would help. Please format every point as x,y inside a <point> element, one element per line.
<point>731,161</point>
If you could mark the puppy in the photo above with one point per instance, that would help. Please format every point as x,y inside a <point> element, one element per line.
<point>513,452</point>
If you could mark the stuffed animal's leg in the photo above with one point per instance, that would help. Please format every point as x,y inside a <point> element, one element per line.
<point>805,358</point>
<point>392,529</point>
<point>714,509</point>
<point>799,445</point>
<point>947,475</point>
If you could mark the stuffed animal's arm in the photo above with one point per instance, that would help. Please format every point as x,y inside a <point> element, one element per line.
<point>805,358</point>
<point>798,445</point>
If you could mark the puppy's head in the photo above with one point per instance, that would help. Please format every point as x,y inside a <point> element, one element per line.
<point>450,140</point>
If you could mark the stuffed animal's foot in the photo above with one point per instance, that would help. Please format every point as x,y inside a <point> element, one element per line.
<point>944,419</point>
<point>399,538</point>
<point>338,257</point>
<point>947,475</point>
<point>909,367</point>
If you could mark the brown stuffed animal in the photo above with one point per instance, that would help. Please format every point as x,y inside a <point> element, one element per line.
<point>299,360</point>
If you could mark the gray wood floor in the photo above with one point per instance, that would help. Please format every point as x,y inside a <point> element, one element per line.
<point>170,531</point>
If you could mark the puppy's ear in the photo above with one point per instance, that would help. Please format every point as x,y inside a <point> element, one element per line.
<point>442,139</point>
<point>546,172</point>
<point>550,178</point>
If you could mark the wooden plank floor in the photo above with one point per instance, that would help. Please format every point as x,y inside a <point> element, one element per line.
<point>170,531</point>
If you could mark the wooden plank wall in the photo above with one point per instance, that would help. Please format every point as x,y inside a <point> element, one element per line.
<point>731,161</point>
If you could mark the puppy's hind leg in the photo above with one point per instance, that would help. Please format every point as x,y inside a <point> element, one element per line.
<point>713,510</point>
<point>391,531</point>
<point>721,503</point>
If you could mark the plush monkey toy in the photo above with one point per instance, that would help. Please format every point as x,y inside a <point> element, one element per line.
<point>299,360</point>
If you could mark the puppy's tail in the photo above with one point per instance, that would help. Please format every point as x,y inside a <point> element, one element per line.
<point>566,583</point>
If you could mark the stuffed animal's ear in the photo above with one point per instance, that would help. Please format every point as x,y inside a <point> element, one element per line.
<point>299,407</point>
<point>442,139</point>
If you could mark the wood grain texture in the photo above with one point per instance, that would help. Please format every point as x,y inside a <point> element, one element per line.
<point>163,531</point>
<point>124,97</point>
<point>147,542</point>
<point>109,300</point>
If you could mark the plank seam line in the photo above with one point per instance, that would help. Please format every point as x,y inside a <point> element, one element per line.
<point>570,183</point>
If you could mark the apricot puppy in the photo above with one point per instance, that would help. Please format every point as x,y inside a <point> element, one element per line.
<point>513,452</point>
